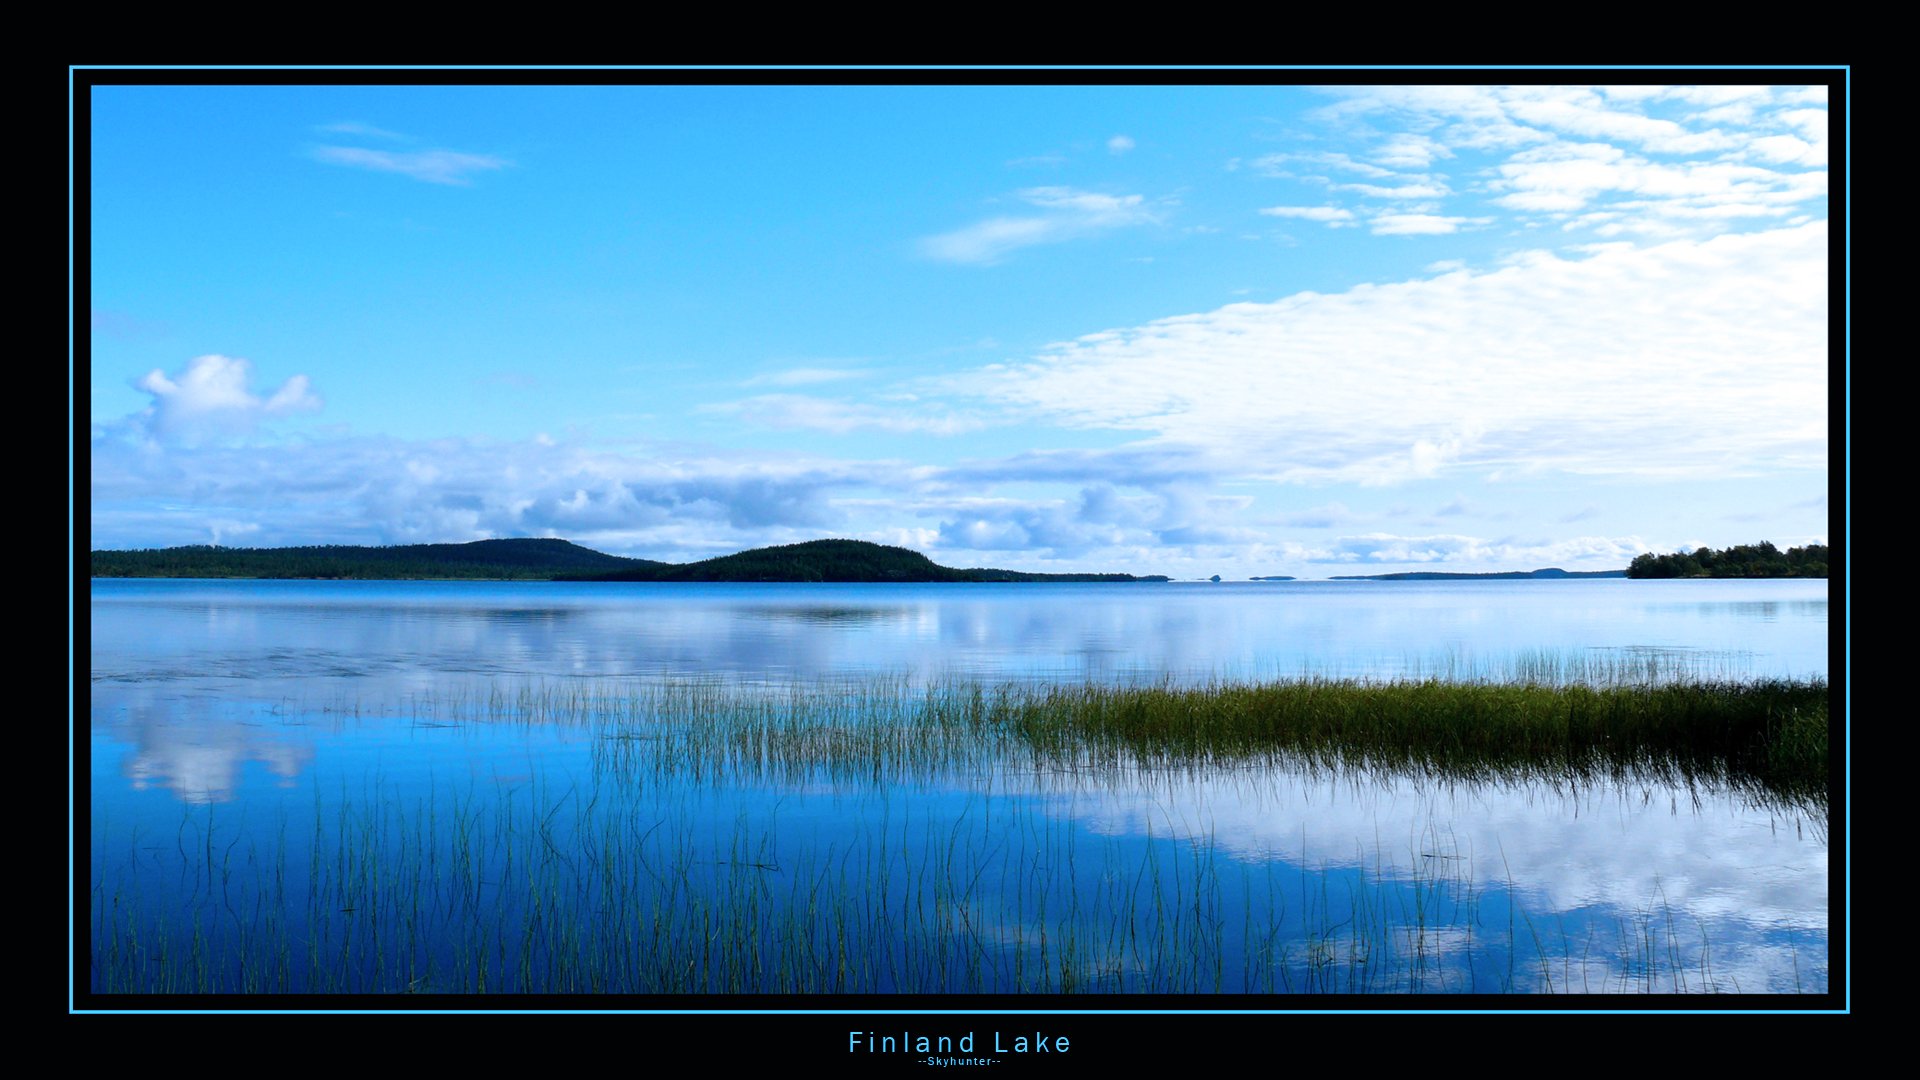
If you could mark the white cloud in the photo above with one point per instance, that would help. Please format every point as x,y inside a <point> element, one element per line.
<point>1720,94</point>
<point>1786,149</point>
<point>1693,160</point>
<point>1419,224</point>
<point>1424,188</point>
<point>1069,213</point>
<point>1332,215</point>
<point>1127,208</point>
<point>1170,514</point>
<point>1633,91</point>
<point>1545,363</point>
<point>212,396</point>
<point>1811,122</point>
<point>432,166</point>
<point>1807,148</point>
<point>1120,144</point>
<point>1575,112</point>
<point>348,489</point>
<point>1567,177</point>
<point>1409,152</point>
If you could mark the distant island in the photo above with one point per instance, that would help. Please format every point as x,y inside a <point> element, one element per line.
<point>556,560</point>
<point>1761,560</point>
<point>1510,575</point>
<point>831,560</point>
<point>814,560</point>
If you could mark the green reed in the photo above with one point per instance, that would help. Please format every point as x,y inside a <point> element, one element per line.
<point>630,878</point>
<point>542,890</point>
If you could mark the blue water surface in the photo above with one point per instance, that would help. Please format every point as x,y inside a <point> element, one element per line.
<point>293,788</point>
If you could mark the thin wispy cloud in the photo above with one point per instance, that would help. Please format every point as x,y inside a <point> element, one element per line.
<point>1330,215</point>
<point>1291,164</point>
<point>354,127</point>
<point>1063,213</point>
<point>1424,188</point>
<point>1120,144</point>
<point>451,167</point>
<point>806,376</point>
<point>803,412</point>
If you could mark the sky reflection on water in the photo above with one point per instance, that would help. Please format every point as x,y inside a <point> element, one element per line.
<point>274,701</point>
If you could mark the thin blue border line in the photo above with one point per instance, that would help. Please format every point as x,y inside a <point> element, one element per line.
<point>71,725</point>
<point>944,67</point>
<point>1846,661</point>
<point>993,1011</point>
<point>1845,70</point>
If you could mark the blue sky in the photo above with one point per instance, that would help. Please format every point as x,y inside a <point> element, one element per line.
<point>1182,330</point>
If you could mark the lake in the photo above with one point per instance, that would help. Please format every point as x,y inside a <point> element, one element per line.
<point>440,787</point>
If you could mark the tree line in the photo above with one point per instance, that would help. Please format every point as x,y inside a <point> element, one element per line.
<point>1761,560</point>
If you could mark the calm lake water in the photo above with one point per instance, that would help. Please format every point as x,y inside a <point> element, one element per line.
<point>316,785</point>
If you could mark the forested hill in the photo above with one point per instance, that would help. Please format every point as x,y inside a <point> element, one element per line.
<point>1761,560</point>
<point>526,559</point>
<point>832,560</point>
<point>554,560</point>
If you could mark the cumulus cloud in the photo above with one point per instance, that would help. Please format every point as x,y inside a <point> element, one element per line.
<point>358,489</point>
<point>212,395</point>
<point>1167,514</point>
<point>1064,214</point>
<point>430,166</point>
<point>655,500</point>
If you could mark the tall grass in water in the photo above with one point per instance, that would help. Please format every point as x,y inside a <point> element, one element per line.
<point>1769,735</point>
<point>639,876</point>
<point>582,891</point>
